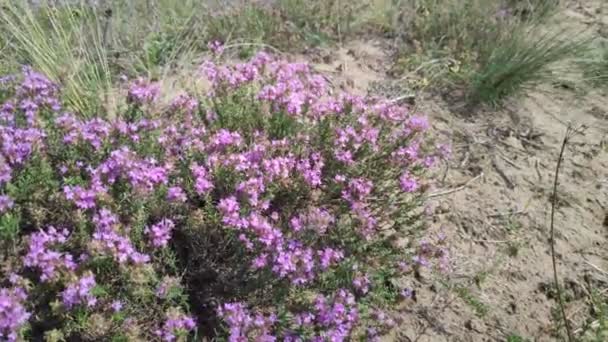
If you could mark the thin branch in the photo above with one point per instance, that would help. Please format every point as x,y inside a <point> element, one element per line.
<point>596,268</point>
<point>447,192</point>
<point>569,133</point>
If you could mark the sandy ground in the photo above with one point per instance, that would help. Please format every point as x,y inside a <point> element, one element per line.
<point>497,221</point>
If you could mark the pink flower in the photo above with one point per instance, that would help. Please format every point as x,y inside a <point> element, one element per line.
<point>408,183</point>
<point>176,194</point>
<point>160,233</point>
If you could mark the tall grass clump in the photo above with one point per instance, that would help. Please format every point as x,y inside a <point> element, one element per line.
<point>491,48</point>
<point>595,66</point>
<point>87,46</point>
<point>149,36</point>
<point>263,208</point>
<point>521,61</point>
<point>65,42</point>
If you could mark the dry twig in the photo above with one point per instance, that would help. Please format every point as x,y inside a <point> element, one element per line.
<point>570,132</point>
<point>447,192</point>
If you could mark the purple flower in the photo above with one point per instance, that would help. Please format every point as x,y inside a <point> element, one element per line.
<point>329,256</point>
<point>336,316</point>
<point>229,209</point>
<point>245,326</point>
<point>185,103</point>
<point>18,144</point>
<point>166,286</point>
<point>84,199</point>
<point>160,233</point>
<point>13,314</point>
<point>176,324</point>
<point>46,260</point>
<point>79,292</point>
<point>224,138</point>
<point>116,306</point>
<point>253,188</point>
<point>5,172</point>
<point>295,262</point>
<point>143,92</point>
<point>176,194</point>
<point>143,175</point>
<point>316,219</point>
<point>6,203</point>
<point>108,240</point>
<point>362,284</point>
<point>418,124</point>
<point>216,47</point>
<point>202,183</point>
<point>408,183</point>
<point>311,169</point>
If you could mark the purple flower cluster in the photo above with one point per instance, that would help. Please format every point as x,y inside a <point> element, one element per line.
<point>175,325</point>
<point>383,323</point>
<point>160,233</point>
<point>243,326</point>
<point>13,314</point>
<point>272,160</point>
<point>201,178</point>
<point>408,183</point>
<point>330,319</point>
<point>48,261</point>
<point>6,203</point>
<point>79,292</point>
<point>144,175</point>
<point>433,253</point>
<point>176,194</point>
<point>20,133</point>
<point>83,198</point>
<point>184,103</point>
<point>108,240</point>
<point>362,283</point>
<point>19,143</point>
<point>143,92</point>
<point>336,316</point>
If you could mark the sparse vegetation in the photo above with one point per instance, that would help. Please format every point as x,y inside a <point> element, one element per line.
<point>495,50</point>
<point>480,308</point>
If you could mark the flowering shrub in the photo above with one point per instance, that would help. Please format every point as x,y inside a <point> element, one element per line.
<point>266,209</point>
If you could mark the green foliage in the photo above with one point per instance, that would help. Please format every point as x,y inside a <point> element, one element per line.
<point>9,229</point>
<point>516,338</point>
<point>595,327</point>
<point>595,66</point>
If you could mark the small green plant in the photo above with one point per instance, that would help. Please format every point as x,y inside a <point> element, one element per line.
<point>516,338</point>
<point>513,248</point>
<point>595,328</point>
<point>512,225</point>
<point>480,308</point>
